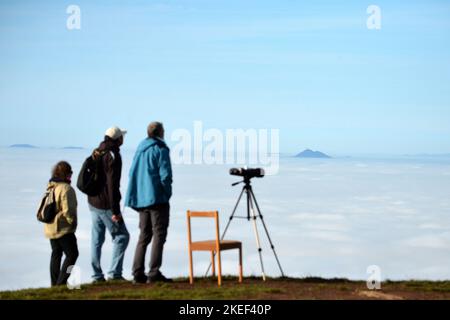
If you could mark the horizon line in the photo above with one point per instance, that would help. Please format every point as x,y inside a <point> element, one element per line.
<point>283,153</point>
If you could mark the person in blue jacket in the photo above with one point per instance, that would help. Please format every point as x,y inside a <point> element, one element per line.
<point>149,193</point>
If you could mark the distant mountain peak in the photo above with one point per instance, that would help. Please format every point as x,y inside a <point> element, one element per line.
<point>24,146</point>
<point>73,148</point>
<point>308,153</point>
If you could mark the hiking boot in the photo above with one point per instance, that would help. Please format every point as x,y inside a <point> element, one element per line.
<point>159,278</point>
<point>140,279</point>
<point>98,281</point>
<point>117,279</point>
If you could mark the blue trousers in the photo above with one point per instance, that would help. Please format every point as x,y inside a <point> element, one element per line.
<point>102,220</point>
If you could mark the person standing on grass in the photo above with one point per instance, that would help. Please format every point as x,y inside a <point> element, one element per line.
<point>149,192</point>
<point>61,231</point>
<point>105,207</point>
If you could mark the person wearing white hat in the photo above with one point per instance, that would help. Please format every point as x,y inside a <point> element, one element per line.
<point>115,133</point>
<point>105,207</point>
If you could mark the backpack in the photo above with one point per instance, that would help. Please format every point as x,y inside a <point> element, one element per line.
<point>47,209</point>
<point>89,180</point>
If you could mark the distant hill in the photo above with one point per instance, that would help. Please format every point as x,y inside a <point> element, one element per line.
<point>23,146</point>
<point>312,154</point>
<point>73,148</point>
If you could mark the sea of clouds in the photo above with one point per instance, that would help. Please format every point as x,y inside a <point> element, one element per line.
<point>326,217</point>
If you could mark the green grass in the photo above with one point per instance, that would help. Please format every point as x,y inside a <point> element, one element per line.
<point>252,289</point>
<point>429,286</point>
<point>180,290</point>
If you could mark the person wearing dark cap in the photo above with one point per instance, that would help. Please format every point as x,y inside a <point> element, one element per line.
<point>105,207</point>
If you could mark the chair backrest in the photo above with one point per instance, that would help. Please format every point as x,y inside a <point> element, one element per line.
<point>203,214</point>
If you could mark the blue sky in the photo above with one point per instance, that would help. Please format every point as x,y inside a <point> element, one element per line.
<point>312,70</point>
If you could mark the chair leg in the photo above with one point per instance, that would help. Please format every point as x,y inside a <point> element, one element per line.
<point>191,268</point>
<point>241,271</point>
<point>219,261</point>
<point>213,263</point>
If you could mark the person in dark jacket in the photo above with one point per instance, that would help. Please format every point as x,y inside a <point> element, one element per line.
<point>105,207</point>
<point>149,192</point>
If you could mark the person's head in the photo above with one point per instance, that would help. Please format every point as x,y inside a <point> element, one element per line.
<point>155,130</point>
<point>116,135</point>
<point>62,171</point>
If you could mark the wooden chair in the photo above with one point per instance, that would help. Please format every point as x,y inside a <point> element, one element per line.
<point>214,246</point>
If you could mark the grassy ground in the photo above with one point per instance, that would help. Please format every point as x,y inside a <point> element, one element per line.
<point>251,289</point>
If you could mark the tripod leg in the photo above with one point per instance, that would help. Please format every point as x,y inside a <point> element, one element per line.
<point>267,232</point>
<point>228,225</point>
<point>232,215</point>
<point>255,228</point>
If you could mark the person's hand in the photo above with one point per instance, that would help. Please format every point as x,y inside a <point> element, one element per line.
<point>96,154</point>
<point>117,218</point>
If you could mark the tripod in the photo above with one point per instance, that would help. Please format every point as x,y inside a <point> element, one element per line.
<point>252,215</point>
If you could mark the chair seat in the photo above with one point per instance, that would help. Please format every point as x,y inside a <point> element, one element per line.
<point>211,245</point>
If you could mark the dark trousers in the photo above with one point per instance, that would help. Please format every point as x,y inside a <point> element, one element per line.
<point>67,245</point>
<point>153,223</point>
